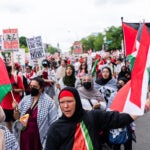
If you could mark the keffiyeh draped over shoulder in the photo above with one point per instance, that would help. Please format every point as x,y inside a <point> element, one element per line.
<point>10,140</point>
<point>47,113</point>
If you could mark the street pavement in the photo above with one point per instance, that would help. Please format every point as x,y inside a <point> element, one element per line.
<point>142,133</point>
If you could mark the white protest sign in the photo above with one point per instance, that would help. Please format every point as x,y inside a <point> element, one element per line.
<point>19,56</point>
<point>10,39</point>
<point>35,47</point>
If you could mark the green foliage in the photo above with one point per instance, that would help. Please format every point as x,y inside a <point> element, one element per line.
<point>23,43</point>
<point>51,49</point>
<point>96,42</point>
<point>114,34</point>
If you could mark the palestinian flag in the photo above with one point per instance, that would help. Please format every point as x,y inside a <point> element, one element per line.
<point>129,32</point>
<point>82,140</point>
<point>5,85</point>
<point>132,97</point>
<point>94,67</point>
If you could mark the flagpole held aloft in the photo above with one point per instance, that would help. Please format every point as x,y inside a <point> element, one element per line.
<point>123,42</point>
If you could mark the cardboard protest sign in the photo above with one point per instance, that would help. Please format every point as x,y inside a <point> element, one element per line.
<point>35,47</point>
<point>19,57</point>
<point>10,39</point>
<point>77,47</point>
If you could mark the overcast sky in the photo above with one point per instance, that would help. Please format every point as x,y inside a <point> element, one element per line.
<point>64,21</point>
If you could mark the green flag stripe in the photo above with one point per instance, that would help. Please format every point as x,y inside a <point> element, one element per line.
<point>4,89</point>
<point>94,67</point>
<point>148,70</point>
<point>87,136</point>
<point>132,60</point>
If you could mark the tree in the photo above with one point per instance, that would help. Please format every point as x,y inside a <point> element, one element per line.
<point>50,49</point>
<point>114,34</point>
<point>98,42</point>
<point>84,42</point>
<point>23,43</point>
<point>88,42</point>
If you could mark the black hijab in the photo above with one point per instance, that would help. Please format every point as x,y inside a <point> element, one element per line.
<point>79,111</point>
<point>103,81</point>
<point>70,80</point>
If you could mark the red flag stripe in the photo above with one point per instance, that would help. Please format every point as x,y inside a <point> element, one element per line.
<point>79,140</point>
<point>129,37</point>
<point>139,68</point>
<point>4,79</point>
<point>120,98</point>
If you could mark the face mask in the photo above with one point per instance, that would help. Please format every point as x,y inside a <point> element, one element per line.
<point>87,85</point>
<point>44,65</point>
<point>34,91</point>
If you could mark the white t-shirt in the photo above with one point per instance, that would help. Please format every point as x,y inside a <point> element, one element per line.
<point>76,66</point>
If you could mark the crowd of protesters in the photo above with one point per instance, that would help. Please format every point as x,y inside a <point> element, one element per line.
<point>49,105</point>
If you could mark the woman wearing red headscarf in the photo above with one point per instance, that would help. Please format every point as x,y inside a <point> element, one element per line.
<point>77,129</point>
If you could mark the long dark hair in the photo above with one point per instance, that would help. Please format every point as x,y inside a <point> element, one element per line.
<point>80,68</point>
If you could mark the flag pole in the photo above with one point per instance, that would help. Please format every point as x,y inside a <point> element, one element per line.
<point>14,101</point>
<point>123,45</point>
<point>12,95</point>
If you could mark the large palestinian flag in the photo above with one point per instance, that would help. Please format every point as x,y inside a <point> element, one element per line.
<point>129,32</point>
<point>132,97</point>
<point>5,85</point>
<point>132,34</point>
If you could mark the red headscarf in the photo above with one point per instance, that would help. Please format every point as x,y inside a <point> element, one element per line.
<point>65,93</point>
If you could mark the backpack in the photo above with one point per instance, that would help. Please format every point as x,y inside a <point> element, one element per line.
<point>119,136</point>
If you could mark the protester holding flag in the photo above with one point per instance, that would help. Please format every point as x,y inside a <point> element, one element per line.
<point>77,129</point>
<point>39,111</point>
<point>134,93</point>
<point>17,87</point>
<point>5,84</point>
<point>128,144</point>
